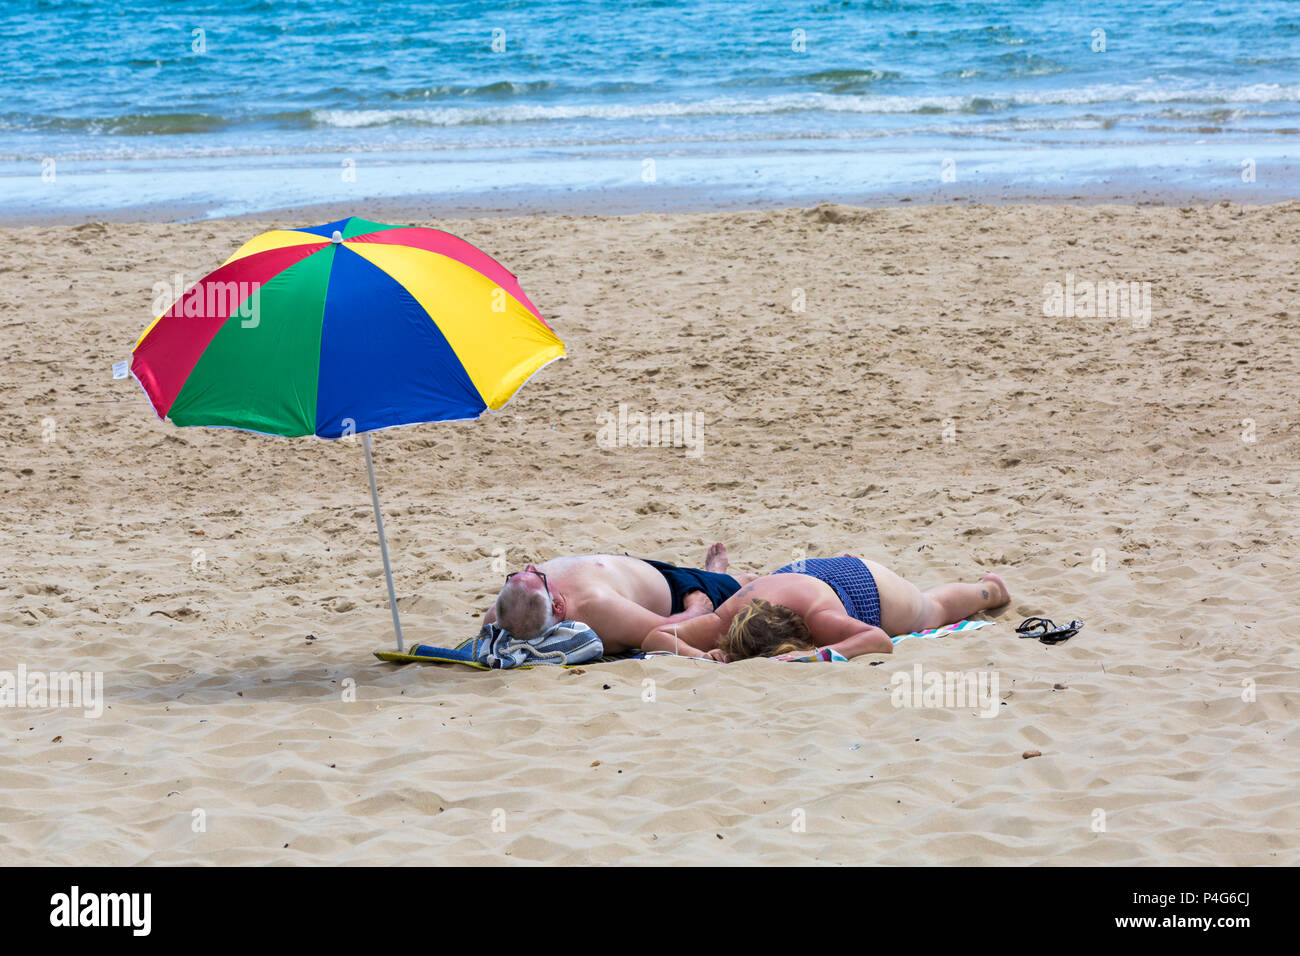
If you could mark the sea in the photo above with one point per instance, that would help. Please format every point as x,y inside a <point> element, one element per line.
<point>189,110</point>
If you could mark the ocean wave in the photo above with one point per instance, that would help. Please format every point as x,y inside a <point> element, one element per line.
<point>501,88</point>
<point>507,104</point>
<point>406,146</point>
<point>844,81</point>
<point>128,124</point>
<point>1023,63</point>
<point>416,149</point>
<point>799,103</point>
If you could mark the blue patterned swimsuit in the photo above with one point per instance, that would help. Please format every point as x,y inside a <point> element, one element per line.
<point>849,578</point>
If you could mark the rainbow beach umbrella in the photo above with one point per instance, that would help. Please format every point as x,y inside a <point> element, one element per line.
<point>343,329</point>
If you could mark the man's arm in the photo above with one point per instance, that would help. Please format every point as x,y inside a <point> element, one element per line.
<point>619,623</point>
<point>663,639</point>
<point>691,639</point>
<point>695,604</point>
<point>836,630</point>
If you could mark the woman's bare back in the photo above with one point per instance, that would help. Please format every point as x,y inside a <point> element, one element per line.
<point>801,593</point>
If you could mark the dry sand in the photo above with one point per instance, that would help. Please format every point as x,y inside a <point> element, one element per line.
<point>824,432</point>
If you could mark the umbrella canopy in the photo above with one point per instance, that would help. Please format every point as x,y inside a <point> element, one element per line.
<point>340,329</point>
<point>344,328</point>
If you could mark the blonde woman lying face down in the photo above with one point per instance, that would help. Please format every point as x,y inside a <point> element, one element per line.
<point>846,604</point>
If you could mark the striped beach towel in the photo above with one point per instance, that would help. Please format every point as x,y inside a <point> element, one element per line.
<point>821,654</point>
<point>944,631</point>
<point>826,654</point>
<point>566,644</point>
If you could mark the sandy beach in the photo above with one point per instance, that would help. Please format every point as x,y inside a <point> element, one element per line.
<point>920,409</point>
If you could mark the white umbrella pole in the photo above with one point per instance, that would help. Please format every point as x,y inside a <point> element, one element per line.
<point>383,542</point>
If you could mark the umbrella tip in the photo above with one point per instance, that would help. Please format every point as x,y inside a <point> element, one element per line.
<point>337,237</point>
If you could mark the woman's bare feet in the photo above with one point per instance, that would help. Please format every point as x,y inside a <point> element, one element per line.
<point>995,590</point>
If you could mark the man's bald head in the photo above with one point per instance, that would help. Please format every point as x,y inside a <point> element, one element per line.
<point>524,611</point>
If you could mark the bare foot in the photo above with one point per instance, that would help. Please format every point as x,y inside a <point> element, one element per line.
<point>715,559</point>
<point>998,592</point>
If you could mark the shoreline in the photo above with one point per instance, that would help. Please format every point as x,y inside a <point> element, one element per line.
<point>668,201</point>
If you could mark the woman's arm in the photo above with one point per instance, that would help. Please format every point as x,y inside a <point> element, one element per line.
<point>870,641</point>
<point>836,630</point>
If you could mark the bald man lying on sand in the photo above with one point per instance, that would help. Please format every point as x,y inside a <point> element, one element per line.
<point>847,604</point>
<point>617,596</point>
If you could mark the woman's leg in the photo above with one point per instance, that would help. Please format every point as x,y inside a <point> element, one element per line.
<point>950,603</point>
<point>905,608</point>
<point>901,602</point>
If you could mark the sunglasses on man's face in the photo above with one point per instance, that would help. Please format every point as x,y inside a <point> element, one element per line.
<point>545,584</point>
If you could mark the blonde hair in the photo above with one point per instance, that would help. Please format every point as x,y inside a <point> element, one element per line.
<point>765,630</point>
